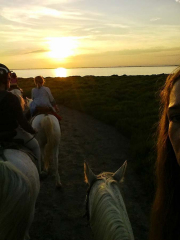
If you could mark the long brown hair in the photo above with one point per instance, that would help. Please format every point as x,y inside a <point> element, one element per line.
<point>165,216</point>
<point>39,81</point>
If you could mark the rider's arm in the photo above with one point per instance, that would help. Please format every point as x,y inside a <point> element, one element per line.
<point>20,116</point>
<point>52,100</point>
<point>32,94</point>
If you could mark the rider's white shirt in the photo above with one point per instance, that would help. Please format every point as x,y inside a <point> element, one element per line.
<point>41,97</point>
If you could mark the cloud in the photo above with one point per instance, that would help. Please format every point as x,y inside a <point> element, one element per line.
<point>142,51</point>
<point>36,51</point>
<point>155,19</point>
<point>117,25</point>
<point>158,52</point>
<point>51,2</point>
<point>16,52</point>
<point>23,15</point>
<point>21,3</point>
<point>178,1</point>
<point>31,14</point>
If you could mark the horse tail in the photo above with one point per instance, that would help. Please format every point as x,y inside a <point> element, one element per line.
<point>15,202</point>
<point>47,125</point>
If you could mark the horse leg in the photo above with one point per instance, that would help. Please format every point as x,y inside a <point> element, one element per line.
<point>55,164</point>
<point>42,155</point>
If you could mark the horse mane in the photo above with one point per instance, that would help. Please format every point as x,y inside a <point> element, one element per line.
<point>108,218</point>
<point>15,202</point>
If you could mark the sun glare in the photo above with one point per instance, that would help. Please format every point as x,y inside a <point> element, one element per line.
<point>60,48</point>
<point>61,72</point>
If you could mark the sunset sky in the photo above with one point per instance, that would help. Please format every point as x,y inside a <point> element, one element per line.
<point>89,33</point>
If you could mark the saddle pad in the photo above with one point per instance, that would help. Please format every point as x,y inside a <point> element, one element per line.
<point>18,145</point>
<point>43,110</point>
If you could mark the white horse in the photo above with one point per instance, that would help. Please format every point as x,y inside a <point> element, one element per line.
<point>19,188</point>
<point>106,209</point>
<point>48,136</point>
<point>18,93</point>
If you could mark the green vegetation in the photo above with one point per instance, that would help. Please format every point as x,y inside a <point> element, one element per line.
<point>129,103</point>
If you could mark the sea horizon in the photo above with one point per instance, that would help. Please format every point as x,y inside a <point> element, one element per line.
<point>94,71</point>
<point>98,67</point>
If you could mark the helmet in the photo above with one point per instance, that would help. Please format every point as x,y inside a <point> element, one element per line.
<point>3,73</point>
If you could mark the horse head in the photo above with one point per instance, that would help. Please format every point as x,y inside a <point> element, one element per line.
<point>90,177</point>
<point>105,206</point>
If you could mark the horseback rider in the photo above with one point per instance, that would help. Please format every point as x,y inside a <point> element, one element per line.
<point>42,98</point>
<point>14,82</point>
<point>12,121</point>
<point>43,101</point>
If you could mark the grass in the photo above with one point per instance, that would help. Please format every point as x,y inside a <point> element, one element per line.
<point>129,103</point>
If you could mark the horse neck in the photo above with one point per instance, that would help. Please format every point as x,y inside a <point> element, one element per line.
<point>104,190</point>
<point>18,205</point>
<point>108,215</point>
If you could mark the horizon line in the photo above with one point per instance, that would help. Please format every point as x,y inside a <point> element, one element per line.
<point>97,67</point>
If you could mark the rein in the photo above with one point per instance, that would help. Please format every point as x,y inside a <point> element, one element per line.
<point>87,198</point>
<point>30,139</point>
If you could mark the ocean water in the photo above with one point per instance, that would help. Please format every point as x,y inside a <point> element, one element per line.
<point>63,72</point>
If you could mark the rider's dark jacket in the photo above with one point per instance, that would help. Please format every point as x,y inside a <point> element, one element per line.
<point>11,114</point>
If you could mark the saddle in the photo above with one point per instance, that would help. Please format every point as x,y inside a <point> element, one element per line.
<point>10,143</point>
<point>45,110</point>
<point>12,87</point>
<point>42,110</point>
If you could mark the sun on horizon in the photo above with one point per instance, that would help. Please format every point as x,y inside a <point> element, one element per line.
<point>61,72</point>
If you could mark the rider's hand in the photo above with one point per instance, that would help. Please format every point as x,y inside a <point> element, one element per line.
<point>57,109</point>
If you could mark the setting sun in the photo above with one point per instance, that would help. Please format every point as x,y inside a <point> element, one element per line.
<point>61,72</point>
<point>61,48</point>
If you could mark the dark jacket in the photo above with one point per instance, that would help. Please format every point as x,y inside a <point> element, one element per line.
<point>11,114</point>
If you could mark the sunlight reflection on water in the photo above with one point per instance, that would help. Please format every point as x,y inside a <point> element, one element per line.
<point>61,72</point>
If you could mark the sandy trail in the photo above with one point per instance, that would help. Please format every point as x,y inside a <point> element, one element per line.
<point>59,214</point>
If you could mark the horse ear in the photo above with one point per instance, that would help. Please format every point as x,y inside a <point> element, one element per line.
<point>119,174</point>
<point>90,177</point>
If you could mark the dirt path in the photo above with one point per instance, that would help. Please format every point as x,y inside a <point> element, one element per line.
<point>59,214</point>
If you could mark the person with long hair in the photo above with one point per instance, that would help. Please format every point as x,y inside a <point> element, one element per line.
<point>165,216</point>
<point>43,99</point>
